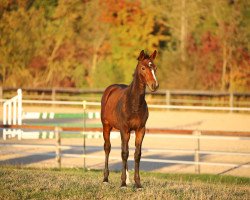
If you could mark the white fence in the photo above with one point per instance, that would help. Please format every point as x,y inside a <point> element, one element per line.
<point>168,106</point>
<point>12,114</point>
<point>196,151</point>
<point>12,110</point>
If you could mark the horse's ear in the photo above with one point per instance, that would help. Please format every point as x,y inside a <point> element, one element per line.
<point>153,55</point>
<point>141,56</point>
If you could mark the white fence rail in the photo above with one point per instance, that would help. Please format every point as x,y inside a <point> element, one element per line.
<point>196,151</point>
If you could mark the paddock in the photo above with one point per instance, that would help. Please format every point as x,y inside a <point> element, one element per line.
<point>169,153</point>
<point>161,153</point>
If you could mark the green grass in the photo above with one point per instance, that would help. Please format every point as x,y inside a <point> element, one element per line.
<point>30,183</point>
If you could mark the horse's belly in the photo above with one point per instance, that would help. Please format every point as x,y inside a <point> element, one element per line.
<point>118,119</point>
<point>132,124</point>
<point>138,121</point>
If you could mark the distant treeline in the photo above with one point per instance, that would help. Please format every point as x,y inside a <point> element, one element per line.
<point>202,45</point>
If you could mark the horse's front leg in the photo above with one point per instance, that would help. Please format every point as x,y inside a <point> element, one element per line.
<point>107,148</point>
<point>138,143</point>
<point>125,136</point>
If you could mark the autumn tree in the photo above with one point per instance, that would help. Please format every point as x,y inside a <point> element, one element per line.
<point>131,30</point>
<point>18,43</point>
<point>61,43</point>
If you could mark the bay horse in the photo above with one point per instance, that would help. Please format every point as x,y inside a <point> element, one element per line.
<point>123,107</point>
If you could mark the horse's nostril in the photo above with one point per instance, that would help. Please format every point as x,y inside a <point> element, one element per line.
<point>153,86</point>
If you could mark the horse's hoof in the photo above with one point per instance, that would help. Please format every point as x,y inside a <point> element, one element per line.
<point>139,189</point>
<point>105,182</point>
<point>123,187</point>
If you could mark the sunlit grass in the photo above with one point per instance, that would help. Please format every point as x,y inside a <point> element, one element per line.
<point>29,183</point>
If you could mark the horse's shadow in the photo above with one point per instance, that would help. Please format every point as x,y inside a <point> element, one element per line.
<point>151,166</point>
<point>33,158</point>
<point>114,166</point>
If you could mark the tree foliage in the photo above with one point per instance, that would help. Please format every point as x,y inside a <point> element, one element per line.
<point>62,43</point>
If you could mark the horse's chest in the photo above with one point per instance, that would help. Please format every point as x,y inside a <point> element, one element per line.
<point>137,121</point>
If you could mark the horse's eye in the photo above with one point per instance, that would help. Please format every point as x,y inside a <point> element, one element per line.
<point>143,68</point>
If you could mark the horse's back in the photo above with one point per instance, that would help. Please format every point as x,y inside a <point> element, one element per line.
<point>115,88</point>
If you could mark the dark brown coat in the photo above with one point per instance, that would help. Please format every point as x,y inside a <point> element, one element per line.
<point>124,108</point>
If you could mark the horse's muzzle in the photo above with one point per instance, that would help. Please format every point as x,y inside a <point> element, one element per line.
<point>153,86</point>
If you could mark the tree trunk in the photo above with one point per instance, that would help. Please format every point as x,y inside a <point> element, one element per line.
<point>50,61</point>
<point>183,31</point>
<point>224,66</point>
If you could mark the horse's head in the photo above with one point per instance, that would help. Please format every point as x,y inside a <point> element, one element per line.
<point>147,70</point>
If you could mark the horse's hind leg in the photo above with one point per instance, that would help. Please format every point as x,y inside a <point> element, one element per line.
<point>107,147</point>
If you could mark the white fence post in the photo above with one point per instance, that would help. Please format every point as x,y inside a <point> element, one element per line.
<point>9,112</point>
<point>84,104</point>
<point>167,97</point>
<point>4,114</point>
<point>197,152</point>
<point>58,147</point>
<point>19,106</point>
<point>14,112</point>
<point>1,94</point>
<point>231,101</point>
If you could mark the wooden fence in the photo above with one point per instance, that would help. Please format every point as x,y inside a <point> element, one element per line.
<point>163,97</point>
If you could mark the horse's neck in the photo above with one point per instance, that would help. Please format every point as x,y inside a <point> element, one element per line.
<point>136,94</point>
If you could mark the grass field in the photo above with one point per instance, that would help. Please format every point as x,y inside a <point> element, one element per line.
<point>31,183</point>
